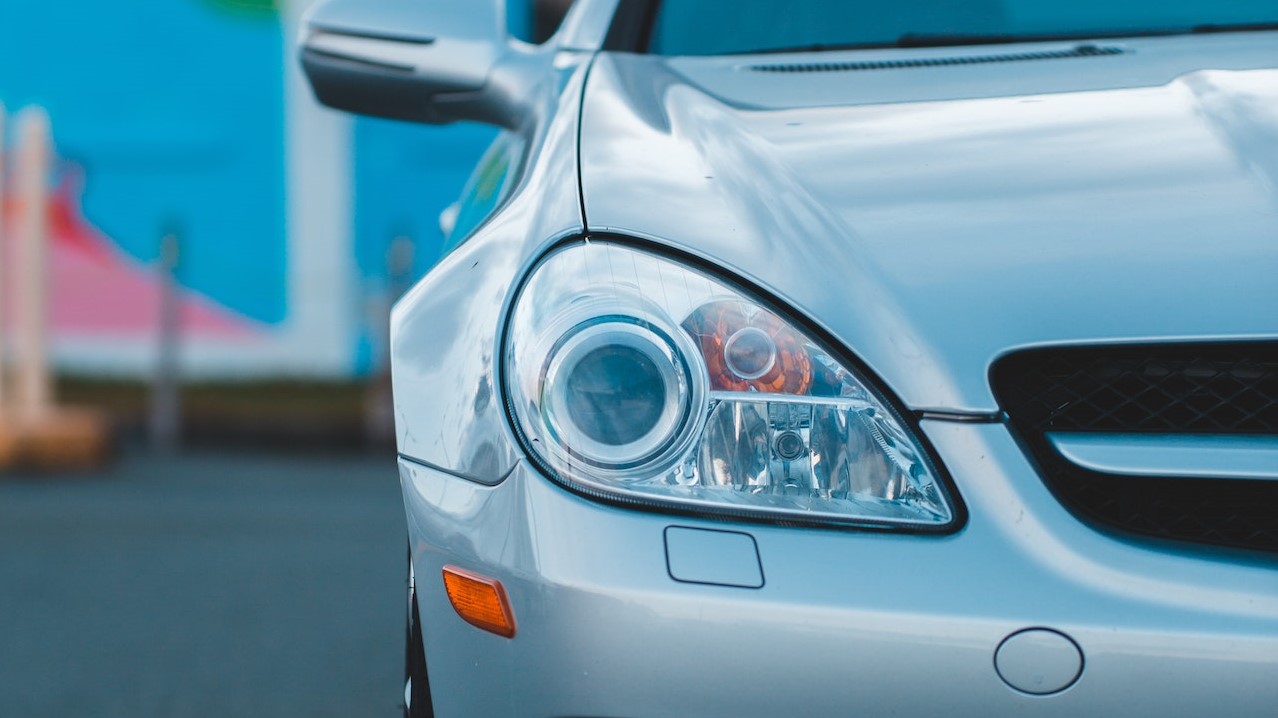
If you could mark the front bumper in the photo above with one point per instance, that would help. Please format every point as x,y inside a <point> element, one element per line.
<point>845,622</point>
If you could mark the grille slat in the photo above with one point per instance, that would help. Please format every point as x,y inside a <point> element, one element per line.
<point>1219,389</point>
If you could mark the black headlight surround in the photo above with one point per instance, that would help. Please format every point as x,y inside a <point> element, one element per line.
<point>907,419</point>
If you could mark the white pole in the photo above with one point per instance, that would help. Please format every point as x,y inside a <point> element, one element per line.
<point>323,304</point>
<point>34,387</point>
<point>2,285</point>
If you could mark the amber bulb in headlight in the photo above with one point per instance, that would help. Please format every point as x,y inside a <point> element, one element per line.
<point>747,348</point>
<point>632,377</point>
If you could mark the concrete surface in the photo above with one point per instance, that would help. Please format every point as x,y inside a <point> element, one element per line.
<point>204,585</point>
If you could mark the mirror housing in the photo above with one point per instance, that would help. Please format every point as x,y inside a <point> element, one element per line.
<point>431,61</point>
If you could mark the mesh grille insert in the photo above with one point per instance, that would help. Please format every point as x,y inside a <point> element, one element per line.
<point>1221,389</point>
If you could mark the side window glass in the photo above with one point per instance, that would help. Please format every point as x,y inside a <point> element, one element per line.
<point>488,187</point>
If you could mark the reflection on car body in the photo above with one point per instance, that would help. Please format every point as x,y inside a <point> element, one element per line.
<point>821,357</point>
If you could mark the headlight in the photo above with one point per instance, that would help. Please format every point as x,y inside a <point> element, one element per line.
<point>633,378</point>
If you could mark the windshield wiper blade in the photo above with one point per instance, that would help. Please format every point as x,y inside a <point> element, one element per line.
<point>1234,27</point>
<point>956,39</point>
<point>816,47</point>
<point>912,40</point>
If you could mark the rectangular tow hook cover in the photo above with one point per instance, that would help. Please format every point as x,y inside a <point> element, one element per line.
<point>717,558</point>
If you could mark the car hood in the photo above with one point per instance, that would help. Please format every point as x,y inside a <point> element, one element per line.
<point>933,218</point>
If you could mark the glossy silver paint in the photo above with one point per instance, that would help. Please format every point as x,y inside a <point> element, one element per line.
<point>1194,456</point>
<point>846,622</point>
<point>930,221</point>
<point>586,25</point>
<point>445,331</point>
<point>930,231</point>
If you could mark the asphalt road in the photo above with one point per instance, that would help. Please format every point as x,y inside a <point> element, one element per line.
<point>204,585</point>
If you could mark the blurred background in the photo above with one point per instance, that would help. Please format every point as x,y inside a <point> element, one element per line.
<point>223,253</point>
<point>296,226</point>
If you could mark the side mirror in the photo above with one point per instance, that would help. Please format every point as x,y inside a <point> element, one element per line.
<point>432,61</point>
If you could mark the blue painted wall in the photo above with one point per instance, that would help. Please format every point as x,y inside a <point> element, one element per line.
<point>405,175</point>
<point>175,110</point>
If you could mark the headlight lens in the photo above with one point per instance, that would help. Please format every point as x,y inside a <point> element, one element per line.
<point>616,393</point>
<point>639,379</point>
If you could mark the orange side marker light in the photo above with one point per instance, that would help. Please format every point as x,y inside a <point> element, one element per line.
<point>480,601</point>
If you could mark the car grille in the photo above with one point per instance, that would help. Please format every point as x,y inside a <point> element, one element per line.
<point>1216,389</point>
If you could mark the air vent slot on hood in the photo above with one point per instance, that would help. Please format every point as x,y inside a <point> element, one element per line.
<point>1079,51</point>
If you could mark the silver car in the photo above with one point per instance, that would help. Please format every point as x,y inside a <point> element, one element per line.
<point>818,357</point>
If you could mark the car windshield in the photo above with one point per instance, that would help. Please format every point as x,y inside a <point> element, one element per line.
<point>717,27</point>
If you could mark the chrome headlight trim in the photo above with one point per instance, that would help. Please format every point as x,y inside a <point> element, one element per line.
<point>682,389</point>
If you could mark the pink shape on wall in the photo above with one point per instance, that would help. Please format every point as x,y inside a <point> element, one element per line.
<point>99,292</point>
